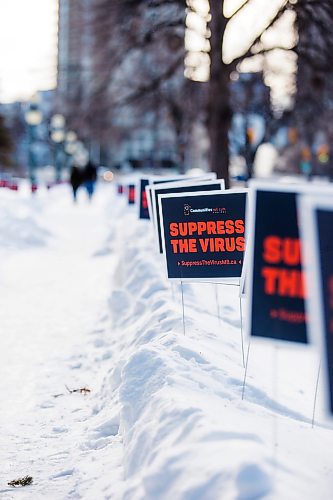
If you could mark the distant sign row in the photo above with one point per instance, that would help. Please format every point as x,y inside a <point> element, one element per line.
<point>274,241</point>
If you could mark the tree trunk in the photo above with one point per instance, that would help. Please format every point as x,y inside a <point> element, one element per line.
<point>305,100</point>
<point>219,109</point>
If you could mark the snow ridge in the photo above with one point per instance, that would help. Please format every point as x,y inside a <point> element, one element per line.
<point>174,447</point>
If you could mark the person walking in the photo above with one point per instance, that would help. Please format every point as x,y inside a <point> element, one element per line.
<point>90,178</point>
<point>76,179</point>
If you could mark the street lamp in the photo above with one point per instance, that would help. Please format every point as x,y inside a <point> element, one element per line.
<point>33,118</point>
<point>58,136</point>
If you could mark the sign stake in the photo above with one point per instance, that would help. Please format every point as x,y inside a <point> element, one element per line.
<point>241,322</point>
<point>275,396</point>
<point>315,396</point>
<point>245,371</point>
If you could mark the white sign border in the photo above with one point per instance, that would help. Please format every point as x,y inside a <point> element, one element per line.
<point>172,179</point>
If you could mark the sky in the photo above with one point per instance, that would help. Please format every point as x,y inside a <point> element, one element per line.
<point>28,47</point>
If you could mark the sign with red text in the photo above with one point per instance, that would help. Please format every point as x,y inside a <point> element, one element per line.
<point>275,275</point>
<point>203,235</point>
<point>316,216</point>
<point>143,202</point>
<point>131,194</point>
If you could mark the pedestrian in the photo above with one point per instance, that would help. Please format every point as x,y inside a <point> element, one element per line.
<point>90,178</point>
<point>76,179</point>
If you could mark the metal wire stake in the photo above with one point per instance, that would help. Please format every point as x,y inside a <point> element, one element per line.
<point>315,396</point>
<point>275,395</point>
<point>245,372</point>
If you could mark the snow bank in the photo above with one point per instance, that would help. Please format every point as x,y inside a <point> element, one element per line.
<point>19,221</point>
<point>180,438</point>
<point>187,434</point>
<point>175,426</point>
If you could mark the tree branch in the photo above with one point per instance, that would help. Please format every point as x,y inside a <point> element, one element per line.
<point>152,86</point>
<point>262,52</point>
<point>249,52</point>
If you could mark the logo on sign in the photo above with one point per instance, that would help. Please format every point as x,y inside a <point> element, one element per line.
<point>217,210</point>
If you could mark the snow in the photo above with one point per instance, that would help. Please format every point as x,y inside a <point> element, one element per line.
<point>85,304</point>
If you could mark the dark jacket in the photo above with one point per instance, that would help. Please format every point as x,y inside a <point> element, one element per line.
<point>90,172</point>
<point>76,177</point>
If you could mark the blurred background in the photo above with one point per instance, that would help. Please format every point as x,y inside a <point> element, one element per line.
<point>242,88</point>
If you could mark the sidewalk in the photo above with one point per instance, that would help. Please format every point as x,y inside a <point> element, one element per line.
<point>54,323</point>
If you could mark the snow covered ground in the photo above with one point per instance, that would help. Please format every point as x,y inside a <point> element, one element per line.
<point>85,304</point>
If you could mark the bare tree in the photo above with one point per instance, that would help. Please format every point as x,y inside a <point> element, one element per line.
<point>313,100</point>
<point>220,106</point>
<point>136,49</point>
<point>136,60</point>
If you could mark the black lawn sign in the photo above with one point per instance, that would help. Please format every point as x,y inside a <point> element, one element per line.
<point>324,221</point>
<point>131,194</point>
<point>178,187</point>
<point>177,178</point>
<point>275,274</point>
<point>203,235</point>
<point>143,203</point>
<point>317,232</point>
